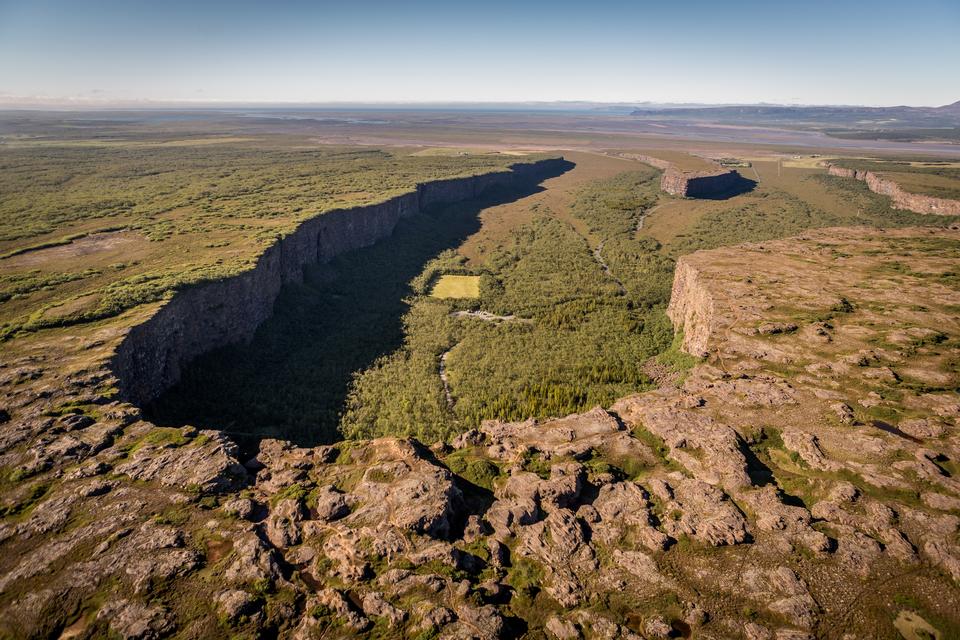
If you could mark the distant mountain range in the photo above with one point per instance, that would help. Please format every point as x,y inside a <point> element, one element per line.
<point>836,120</point>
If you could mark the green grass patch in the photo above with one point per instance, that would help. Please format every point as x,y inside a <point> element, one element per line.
<point>456,287</point>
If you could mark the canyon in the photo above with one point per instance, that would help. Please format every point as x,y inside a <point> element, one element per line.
<point>760,496</point>
<point>213,314</point>
<point>701,184</point>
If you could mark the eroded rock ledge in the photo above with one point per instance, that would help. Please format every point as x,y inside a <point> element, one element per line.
<point>693,184</point>
<point>916,202</point>
<point>700,184</point>
<point>210,315</point>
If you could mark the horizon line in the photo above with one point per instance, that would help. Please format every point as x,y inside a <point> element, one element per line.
<point>39,103</point>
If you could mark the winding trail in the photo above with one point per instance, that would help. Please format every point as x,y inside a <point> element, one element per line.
<point>486,316</point>
<point>444,380</point>
<point>644,217</point>
<point>597,254</point>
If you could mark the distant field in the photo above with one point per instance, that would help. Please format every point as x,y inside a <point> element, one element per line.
<point>787,200</point>
<point>463,151</point>
<point>457,287</point>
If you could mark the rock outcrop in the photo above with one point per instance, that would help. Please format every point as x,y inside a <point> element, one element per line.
<point>710,183</point>
<point>700,184</point>
<point>902,199</point>
<point>214,314</point>
<point>691,308</point>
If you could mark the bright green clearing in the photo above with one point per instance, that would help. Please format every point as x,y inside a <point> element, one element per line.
<point>457,287</point>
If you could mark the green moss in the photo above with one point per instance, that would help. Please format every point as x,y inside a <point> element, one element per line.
<point>535,462</point>
<point>473,468</point>
<point>176,516</point>
<point>657,446</point>
<point>677,359</point>
<point>293,491</point>
<point>526,575</point>
<point>379,475</point>
<point>27,502</point>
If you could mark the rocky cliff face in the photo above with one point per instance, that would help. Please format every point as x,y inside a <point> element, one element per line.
<point>702,184</point>
<point>691,308</point>
<point>915,202</point>
<point>214,314</point>
<point>693,184</point>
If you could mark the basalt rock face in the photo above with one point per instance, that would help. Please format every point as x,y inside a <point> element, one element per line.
<point>918,203</point>
<point>691,307</point>
<point>702,184</point>
<point>211,315</point>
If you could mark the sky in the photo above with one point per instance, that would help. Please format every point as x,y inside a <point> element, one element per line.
<point>880,52</point>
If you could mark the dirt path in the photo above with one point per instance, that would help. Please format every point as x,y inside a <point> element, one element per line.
<point>444,380</point>
<point>486,316</point>
<point>598,256</point>
<point>644,217</point>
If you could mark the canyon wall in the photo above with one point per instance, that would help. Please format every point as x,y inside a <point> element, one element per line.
<point>691,308</point>
<point>692,184</point>
<point>902,199</point>
<point>213,314</point>
<point>700,184</point>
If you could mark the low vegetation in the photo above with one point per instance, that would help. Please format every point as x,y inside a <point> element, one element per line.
<point>941,180</point>
<point>198,213</point>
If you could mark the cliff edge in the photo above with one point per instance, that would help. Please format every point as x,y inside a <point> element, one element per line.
<point>203,317</point>
<point>710,183</point>
<point>902,199</point>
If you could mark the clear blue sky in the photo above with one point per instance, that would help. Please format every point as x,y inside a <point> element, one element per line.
<point>875,52</point>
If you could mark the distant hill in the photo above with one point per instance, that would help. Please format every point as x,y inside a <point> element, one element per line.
<point>883,122</point>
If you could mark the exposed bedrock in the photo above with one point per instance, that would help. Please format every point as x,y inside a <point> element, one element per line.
<point>702,184</point>
<point>715,183</point>
<point>918,203</point>
<point>691,308</point>
<point>214,314</point>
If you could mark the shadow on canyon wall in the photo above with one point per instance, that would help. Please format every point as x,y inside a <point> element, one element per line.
<point>292,379</point>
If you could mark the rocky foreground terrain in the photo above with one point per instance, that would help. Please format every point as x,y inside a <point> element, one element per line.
<point>797,483</point>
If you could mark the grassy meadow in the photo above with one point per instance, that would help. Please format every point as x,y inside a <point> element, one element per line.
<point>449,286</point>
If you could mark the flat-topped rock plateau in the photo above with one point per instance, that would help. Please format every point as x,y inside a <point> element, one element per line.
<point>799,482</point>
